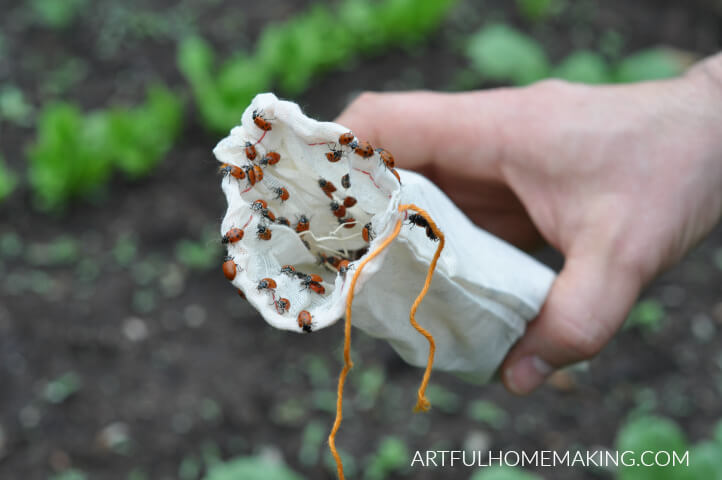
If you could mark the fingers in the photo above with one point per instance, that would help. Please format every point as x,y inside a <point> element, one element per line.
<point>587,304</point>
<point>431,131</point>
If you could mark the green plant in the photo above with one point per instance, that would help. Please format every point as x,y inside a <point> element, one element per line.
<point>583,66</point>
<point>290,54</point>
<point>250,468</point>
<point>58,390</point>
<point>650,64</point>
<point>75,153</point>
<point>13,106</point>
<point>647,315</point>
<point>488,412</point>
<point>391,456</point>
<point>8,180</point>
<point>539,10</point>
<point>501,53</point>
<point>57,13</point>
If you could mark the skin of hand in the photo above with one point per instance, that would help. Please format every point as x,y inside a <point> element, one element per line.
<point>623,180</point>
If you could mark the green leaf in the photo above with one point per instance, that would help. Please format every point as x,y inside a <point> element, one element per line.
<point>650,64</point>
<point>647,315</point>
<point>57,13</point>
<point>250,468</point>
<point>538,10</point>
<point>488,412</point>
<point>500,53</point>
<point>655,434</point>
<point>504,473</point>
<point>583,67</point>
<point>391,456</point>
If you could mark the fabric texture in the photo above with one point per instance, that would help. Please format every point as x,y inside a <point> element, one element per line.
<point>484,290</point>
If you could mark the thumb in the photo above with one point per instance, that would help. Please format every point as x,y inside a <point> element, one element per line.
<point>587,304</point>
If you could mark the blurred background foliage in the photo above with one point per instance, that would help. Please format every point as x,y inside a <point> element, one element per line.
<point>108,113</point>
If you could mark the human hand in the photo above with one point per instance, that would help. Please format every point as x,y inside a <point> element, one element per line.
<point>623,180</point>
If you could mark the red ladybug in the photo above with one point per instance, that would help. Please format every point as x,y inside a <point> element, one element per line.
<point>233,235</point>
<point>283,221</point>
<point>271,158</point>
<point>259,173</point>
<point>261,122</point>
<point>259,205</point>
<point>367,233</point>
<point>303,224</point>
<point>327,187</point>
<point>338,210</point>
<point>263,232</point>
<point>282,305</point>
<point>232,170</point>
<point>267,284</point>
<point>344,267</point>
<point>348,222</point>
<point>346,181</point>
<point>349,202</point>
<point>346,138</point>
<point>288,270</point>
<point>268,215</point>
<point>313,282</point>
<point>251,174</point>
<point>229,268</point>
<point>364,149</point>
<point>251,152</point>
<point>304,320</point>
<point>334,156</point>
<point>281,193</point>
<point>317,287</point>
<point>386,157</point>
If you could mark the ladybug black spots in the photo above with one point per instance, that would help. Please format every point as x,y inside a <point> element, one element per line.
<point>233,235</point>
<point>334,156</point>
<point>303,224</point>
<point>251,174</point>
<point>250,150</point>
<point>268,215</point>
<point>232,170</point>
<point>263,232</point>
<point>327,187</point>
<point>261,122</point>
<point>346,181</point>
<point>346,138</point>
<point>364,149</point>
<point>259,173</point>
<point>271,158</point>
<point>304,320</point>
<point>281,193</point>
<point>282,305</point>
<point>338,210</point>
<point>386,157</point>
<point>266,284</point>
<point>367,233</point>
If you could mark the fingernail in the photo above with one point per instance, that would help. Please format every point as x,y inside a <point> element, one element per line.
<point>526,374</point>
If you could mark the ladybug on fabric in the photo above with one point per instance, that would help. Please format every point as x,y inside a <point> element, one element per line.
<point>271,158</point>
<point>259,173</point>
<point>233,235</point>
<point>263,232</point>
<point>367,233</point>
<point>281,193</point>
<point>229,268</point>
<point>303,224</point>
<point>327,187</point>
<point>268,215</point>
<point>283,221</point>
<point>349,202</point>
<point>348,222</point>
<point>250,150</point>
<point>282,305</point>
<point>259,205</point>
<point>364,149</point>
<point>251,174</point>
<point>386,157</point>
<point>346,181</point>
<point>334,155</point>
<point>346,138</point>
<point>267,284</point>
<point>338,210</point>
<point>261,122</point>
<point>232,170</point>
<point>288,270</point>
<point>304,320</point>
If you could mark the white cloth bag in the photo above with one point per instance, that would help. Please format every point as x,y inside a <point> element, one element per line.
<point>483,292</point>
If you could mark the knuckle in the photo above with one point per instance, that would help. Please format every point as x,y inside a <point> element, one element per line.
<point>582,342</point>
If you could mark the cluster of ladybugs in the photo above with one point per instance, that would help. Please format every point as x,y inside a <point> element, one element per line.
<point>253,172</point>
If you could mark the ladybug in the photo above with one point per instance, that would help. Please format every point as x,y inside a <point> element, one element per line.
<point>232,236</point>
<point>364,149</point>
<point>313,282</point>
<point>396,174</point>
<point>261,122</point>
<point>259,173</point>
<point>263,232</point>
<point>338,210</point>
<point>282,305</point>
<point>268,215</point>
<point>288,270</point>
<point>349,202</point>
<point>418,220</point>
<point>346,138</point>
<point>317,287</point>
<point>267,284</point>
<point>312,277</point>
<point>327,187</point>
<point>232,170</point>
<point>241,294</point>
<point>333,261</point>
<point>346,181</point>
<point>430,233</point>
<point>251,174</point>
<point>367,233</point>
<point>386,157</point>
<point>229,268</point>
<point>343,267</point>
<point>271,158</point>
<point>304,320</point>
<point>348,222</point>
<point>259,205</point>
<point>281,193</point>
<point>251,152</point>
<point>302,224</point>
<point>334,155</point>
<point>283,221</point>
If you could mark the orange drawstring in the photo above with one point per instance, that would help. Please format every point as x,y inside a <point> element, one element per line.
<point>422,403</point>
